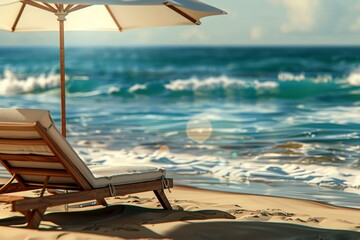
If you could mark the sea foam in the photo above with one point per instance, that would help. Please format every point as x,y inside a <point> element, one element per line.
<point>222,82</point>
<point>10,84</point>
<point>224,169</point>
<point>354,78</point>
<point>286,76</point>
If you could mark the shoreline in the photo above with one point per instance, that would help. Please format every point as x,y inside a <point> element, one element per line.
<point>197,214</point>
<point>263,195</point>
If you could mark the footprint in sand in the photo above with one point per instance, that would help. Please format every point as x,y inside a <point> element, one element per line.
<point>178,208</point>
<point>282,213</point>
<point>128,229</point>
<point>315,219</point>
<point>301,220</point>
<point>236,211</point>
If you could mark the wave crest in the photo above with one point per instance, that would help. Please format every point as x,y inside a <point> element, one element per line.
<point>354,78</point>
<point>222,82</point>
<point>285,86</point>
<point>10,84</point>
<point>285,76</point>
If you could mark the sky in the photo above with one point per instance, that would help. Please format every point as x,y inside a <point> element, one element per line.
<point>249,22</point>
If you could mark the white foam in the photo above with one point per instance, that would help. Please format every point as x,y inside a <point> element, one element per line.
<point>286,76</point>
<point>137,87</point>
<point>234,170</point>
<point>10,84</point>
<point>85,94</point>
<point>222,82</point>
<point>179,163</point>
<point>323,78</point>
<point>113,90</point>
<point>354,78</point>
<point>218,167</point>
<point>329,176</point>
<point>339,115</point>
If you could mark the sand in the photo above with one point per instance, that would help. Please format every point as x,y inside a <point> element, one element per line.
<point>197,214</point>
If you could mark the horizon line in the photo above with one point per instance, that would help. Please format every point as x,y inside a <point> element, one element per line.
<point>183,45</point>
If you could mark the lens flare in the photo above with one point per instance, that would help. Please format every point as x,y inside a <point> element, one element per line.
<point>164,148</point>
<point>199,129</point>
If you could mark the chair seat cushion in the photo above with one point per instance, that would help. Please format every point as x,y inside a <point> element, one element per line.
<point>118,175</point>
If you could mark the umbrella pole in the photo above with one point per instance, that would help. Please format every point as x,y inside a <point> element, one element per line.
<point>62,78</point>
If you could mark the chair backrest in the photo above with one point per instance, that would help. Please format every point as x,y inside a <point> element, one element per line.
<point>33,149</point>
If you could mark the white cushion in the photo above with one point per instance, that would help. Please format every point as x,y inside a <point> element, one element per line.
<point>104,175</point>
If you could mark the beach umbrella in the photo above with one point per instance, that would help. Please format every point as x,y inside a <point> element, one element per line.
<point>97,15</point>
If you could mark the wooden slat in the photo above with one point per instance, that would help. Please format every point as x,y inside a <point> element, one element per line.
<point>68,164</point>
<point>62,186</point>
<point>48,201</point>
<point>11,141</point>
<point>61,157</point>
<point>30,158</point>
<point>40,172</point>
<point>17,127</point>
<point>10,198</point>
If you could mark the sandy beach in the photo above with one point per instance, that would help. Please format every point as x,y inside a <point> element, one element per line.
<point>197,214</point>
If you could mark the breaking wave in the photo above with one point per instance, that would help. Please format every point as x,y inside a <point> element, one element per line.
<point>285,86</point>
<point>11,84</point>
<point>354,78</point>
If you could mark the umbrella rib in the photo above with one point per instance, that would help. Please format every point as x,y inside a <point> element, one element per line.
<point>114,18</point>
<point>68,7</point>
<point>182,13</point>
<point>18,17</point>
<point>34,4</point>
<point>49,6</point>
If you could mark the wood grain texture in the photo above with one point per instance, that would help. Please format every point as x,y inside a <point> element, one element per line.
<point>17,142</point>
<point>29,158</point>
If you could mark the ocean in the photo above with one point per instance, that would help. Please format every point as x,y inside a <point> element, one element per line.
<point>280,121</point>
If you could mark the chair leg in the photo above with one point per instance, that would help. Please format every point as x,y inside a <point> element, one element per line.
<point>102,202</point>
<point>160,194</point>
<point>34,218</point>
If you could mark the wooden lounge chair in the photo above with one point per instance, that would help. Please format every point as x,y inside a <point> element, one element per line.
<point>38,157</point>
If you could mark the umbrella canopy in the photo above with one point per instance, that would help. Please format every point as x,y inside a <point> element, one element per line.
<point>97,15</point>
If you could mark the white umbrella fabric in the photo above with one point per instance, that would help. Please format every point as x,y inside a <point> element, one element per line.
<point>97,15</point>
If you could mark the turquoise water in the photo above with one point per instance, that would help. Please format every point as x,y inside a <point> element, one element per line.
<point>276,121</point>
